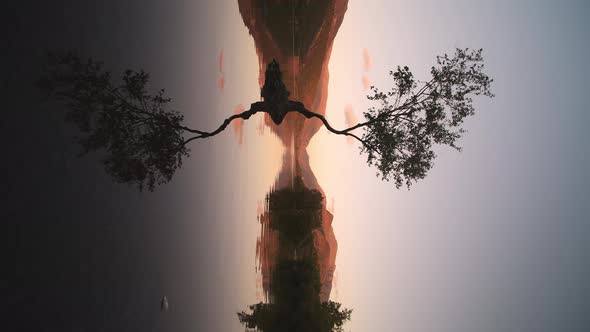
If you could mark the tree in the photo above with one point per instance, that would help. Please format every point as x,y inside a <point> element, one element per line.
<point>333,316</point>
<point>145,141</point>
<point>325,317</point>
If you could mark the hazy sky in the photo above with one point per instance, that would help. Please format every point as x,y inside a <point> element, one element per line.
<point>494,239</point>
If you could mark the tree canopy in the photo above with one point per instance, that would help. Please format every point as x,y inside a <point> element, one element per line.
<point>144,141</point>
<point>413,116</point>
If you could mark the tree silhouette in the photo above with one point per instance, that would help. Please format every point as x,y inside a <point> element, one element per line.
<point>323,317</point>
<point>145,141</point>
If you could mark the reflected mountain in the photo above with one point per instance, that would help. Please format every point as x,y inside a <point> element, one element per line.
<point>296,251</point>
<point>293,223</point>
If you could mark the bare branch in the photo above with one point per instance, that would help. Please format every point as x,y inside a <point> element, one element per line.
<point>254,108</point>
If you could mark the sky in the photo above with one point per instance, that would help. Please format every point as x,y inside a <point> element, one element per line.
<point>494,239</point>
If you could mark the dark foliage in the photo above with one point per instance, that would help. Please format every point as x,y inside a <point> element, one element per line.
<point>334,316</point>
<point>414,116</point>
<point>142,141</point>
<point>323,317</point>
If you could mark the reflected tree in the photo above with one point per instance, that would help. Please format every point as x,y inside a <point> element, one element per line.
<point>145,141</point>
<point>295,279</point>
<point>325,317</point>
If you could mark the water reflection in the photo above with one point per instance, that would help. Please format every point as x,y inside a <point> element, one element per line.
<point>297,248</point>
<point>292,227</point>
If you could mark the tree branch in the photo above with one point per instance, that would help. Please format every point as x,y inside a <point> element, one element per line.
<point>254,108</point>
<point>295,106</point>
